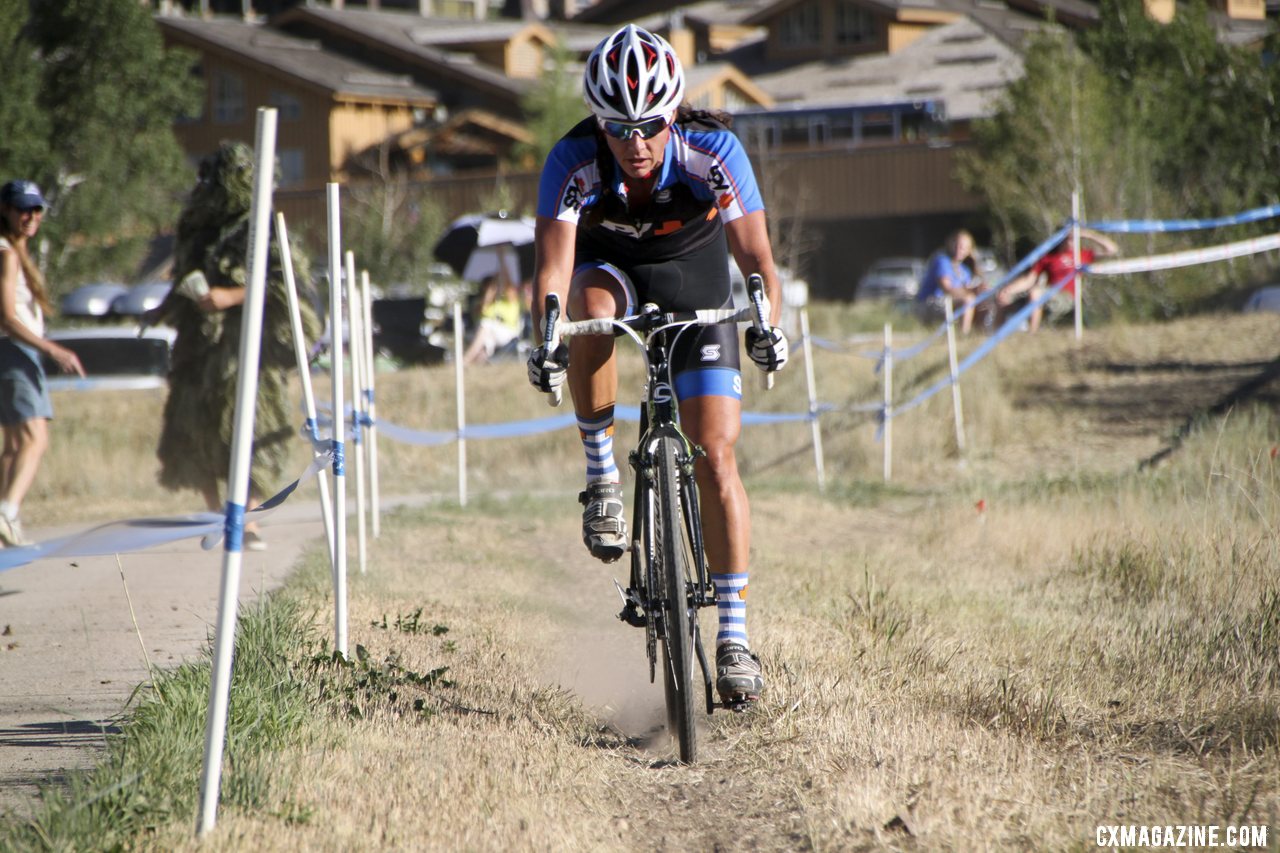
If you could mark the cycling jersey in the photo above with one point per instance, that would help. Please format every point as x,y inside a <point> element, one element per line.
<point>704,181</point>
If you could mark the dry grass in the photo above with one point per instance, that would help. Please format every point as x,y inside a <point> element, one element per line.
<point>1097,646</point>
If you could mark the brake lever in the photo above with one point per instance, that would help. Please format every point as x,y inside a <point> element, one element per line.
<point>755,291</point>
<point>551,337</point>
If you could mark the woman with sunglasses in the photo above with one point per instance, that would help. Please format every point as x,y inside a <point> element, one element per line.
<point>642,203</point>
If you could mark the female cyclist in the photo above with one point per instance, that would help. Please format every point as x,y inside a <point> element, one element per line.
<point>641,203</point>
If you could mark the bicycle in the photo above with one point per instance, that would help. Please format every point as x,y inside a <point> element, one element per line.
<point>669,580</point>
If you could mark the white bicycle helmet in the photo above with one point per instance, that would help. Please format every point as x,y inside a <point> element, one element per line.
<point>633,76</point>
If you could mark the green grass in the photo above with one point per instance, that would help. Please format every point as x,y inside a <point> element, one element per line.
<point>149,778</point>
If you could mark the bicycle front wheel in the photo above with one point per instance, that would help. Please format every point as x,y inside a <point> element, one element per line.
<point>673,575</point>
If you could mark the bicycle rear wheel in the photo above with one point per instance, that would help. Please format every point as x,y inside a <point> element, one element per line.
<point>673,574</point>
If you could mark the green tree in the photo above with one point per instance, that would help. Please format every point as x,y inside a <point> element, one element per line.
<point>552,106</point>
<point>391,225</point>
<point>26,126</point>
<point>1209,108</point>
<point>1147,121</point>
<point>108,94</point>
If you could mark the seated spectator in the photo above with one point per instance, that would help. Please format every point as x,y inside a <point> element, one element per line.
<point>500,319</point>
<point>1058,263</point>
<point>948,274</point>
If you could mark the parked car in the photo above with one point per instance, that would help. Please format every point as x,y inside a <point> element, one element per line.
<point>895,278</point>
<point>140,298</point>
<point>114,357</point>
<point>92,300</point>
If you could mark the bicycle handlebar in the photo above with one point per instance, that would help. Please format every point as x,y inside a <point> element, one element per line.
<point>651,321</point>
<point>554,330</point>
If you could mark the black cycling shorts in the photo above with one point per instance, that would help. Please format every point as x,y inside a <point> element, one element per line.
<point>705,360</point>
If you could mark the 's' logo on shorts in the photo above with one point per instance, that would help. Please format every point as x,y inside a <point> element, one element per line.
<point>711,352</point>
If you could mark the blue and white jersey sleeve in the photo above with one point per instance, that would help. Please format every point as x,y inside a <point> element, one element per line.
<point>570,179</point>
<point>718,167</point>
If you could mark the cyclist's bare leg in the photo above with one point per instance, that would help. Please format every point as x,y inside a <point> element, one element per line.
<point>593,382</point>
<point>715,422</point>
<point>593,374</point>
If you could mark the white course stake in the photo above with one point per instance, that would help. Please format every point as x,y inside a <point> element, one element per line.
<point>370,406</point>
<point>304,373</point>
<point>355,337</point>
<point>1075,260</point>
<point>238,475</point>
<point>339,407</point>
<point>955,373</point>
<point>458,333</point>
<point>888,401</point>
<point>818,462</point>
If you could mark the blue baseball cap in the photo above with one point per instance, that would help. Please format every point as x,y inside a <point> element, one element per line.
<point>24,195</point>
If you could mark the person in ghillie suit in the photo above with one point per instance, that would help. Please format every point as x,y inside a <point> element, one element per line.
<point>204,306</point>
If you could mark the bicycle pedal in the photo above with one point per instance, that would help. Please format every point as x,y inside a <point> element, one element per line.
<point>739,704</point>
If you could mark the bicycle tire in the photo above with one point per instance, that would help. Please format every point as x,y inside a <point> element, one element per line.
<point>673,575</point>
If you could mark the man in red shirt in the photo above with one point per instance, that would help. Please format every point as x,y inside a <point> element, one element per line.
<point>1052,268</point>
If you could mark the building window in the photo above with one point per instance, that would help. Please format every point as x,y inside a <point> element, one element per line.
<point>289,108</point>
<point>291,167</point>
<point>228,98</point>
<point>456,8</point>
<point>801,26</point>
<point>854,24</point>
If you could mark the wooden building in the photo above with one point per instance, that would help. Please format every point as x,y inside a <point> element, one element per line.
<point>330,107</point>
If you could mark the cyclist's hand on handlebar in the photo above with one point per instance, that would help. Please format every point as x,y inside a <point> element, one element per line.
<point>768,348</point>
<point>546,371</point>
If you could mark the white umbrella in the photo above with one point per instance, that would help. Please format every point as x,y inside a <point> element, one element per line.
<point>474,245</point>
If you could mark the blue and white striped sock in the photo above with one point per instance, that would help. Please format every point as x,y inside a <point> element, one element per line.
<point>731,607</point>
<point>597,441</point>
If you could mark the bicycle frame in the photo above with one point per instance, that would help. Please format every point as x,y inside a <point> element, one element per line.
<point>648,598</point>
<point>656,334</point>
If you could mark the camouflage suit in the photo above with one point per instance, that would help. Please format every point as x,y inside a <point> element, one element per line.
<point>211,251</point>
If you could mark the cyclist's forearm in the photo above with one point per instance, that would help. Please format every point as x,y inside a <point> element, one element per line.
<point>749,242</point>
<point>553,264</point>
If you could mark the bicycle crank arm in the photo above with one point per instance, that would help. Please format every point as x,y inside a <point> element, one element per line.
<point>706,671</point>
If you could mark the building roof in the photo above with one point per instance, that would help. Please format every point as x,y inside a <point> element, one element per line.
<point>961,64</point>
<point>1011,26</point>
<point>413,37</point>
<point>705,74</point>
<point>300,59</point>
<point>891,7</point>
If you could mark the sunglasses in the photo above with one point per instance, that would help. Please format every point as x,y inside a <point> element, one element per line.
<point>623,131</point>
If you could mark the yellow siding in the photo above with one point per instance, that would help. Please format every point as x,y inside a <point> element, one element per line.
<point>356,127</point>
<point>524,59</point>
<point>1159,10</point>
<point>901,35</point>
<point>1249,10</point>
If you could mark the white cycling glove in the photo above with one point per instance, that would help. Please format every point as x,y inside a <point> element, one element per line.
<point>546,372</point>
<point>768,349</point>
